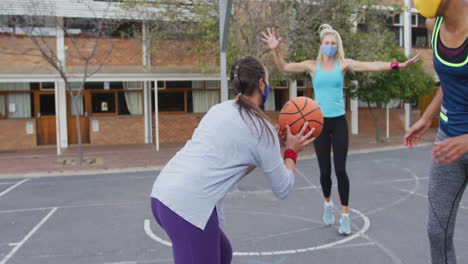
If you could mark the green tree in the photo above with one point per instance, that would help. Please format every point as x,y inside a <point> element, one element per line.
<point>377,90</point>
<point>361,24</point>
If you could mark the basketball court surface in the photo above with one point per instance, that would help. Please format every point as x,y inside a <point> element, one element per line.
<point>107,219</point>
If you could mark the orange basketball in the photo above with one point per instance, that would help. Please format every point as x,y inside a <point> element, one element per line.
<point>297,111</point>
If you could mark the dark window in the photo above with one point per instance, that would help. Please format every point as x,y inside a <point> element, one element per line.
<point>103,102</point>
<point>281,97</point>
<point>116,85</point>
<point>396,19</point>
<point>413,19</point>
<point>34,86</point>
<point>283,84</point>
<point>419,37</point>
<point>421,21</point>
<point>94,86</point>
<point>48,85</point>
<point>178,84</point>
<point>32,105</point>
<point>47,102</point>
<point>123,108</point>
<point>171,102</point>
<point>126,30</point>
<point>396,34</point>
<point>300,83</point>
<point>389,20</point>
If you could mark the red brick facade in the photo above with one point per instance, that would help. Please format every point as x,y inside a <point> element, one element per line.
<point>118,130</point>
<point>14,136</point>
<point>21,51</point>
<point>179,128</point>
<point>123,52</point>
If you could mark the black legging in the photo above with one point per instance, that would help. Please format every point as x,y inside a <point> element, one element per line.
<point>334,134</point>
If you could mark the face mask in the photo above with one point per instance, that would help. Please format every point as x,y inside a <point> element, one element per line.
<point>427,8</point>
<point>329,50</point>
<point>267,92</point>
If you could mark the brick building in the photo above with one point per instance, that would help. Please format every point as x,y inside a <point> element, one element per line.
<point>118,104</point>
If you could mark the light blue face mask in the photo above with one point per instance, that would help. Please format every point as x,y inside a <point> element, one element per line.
<point>329,50</point>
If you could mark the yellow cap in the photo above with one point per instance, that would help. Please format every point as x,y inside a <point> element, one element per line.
<point>427,8</point>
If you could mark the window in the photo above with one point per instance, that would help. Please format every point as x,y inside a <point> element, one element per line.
<point>47,86</point>
<point>116,98</point>
<point>301,84</point>
<point>16,100</point>
<point>21,25</point>
<point>419,33</point>
<point>2,106</point>
<point>281,97</point>
<point>421,21</point>
<point>414,20</point>
<point>419,37</point>
<point>397,31</point>
<point>103,102</point>
<point>47,105</point>
<point>187,96</point>
<point>102,28</point>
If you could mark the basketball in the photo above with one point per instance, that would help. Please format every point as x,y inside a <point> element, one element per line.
<point>299,110</point>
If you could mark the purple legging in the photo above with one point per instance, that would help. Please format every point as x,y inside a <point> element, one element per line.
<point>191,245</point>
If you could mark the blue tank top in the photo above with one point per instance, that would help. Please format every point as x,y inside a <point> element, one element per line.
<point>328,90</point>
<point>454,81</point>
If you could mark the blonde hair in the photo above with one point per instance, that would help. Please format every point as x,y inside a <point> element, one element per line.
<point>325,30</point>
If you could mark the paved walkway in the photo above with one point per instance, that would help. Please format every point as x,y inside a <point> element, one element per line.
<point>44,161</point>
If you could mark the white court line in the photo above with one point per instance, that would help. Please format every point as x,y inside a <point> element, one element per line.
<point>7,183</point>
<point>12,187</point>
<point>70,206</point>
<point>395,259</point>
<point>424,196</point>
<point>402,199</point>
<point>26,210</point>
<point>20,244</point>
<point>366,226</point>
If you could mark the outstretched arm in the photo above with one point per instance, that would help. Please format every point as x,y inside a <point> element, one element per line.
<point>273,42</point>
<point>376,66</point>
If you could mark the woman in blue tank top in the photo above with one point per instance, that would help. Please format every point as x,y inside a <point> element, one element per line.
<point>327,74</point>
<point>449,169</point>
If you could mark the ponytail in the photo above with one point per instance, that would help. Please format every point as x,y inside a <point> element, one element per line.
<point>245,74</point>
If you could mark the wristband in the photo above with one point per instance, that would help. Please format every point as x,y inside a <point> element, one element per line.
<point>290,154</point>
<point>395,65</point>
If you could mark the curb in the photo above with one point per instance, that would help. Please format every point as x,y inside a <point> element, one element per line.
<point>157,168</point>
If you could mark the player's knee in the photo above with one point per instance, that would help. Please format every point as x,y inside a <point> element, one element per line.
<point>435,235</point>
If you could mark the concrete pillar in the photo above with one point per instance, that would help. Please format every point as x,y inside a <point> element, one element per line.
<point>146,45</point>
<point>408,46</point>
<point>292,89</point>
<point>156,114</point>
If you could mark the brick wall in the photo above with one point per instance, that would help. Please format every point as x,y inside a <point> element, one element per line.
<point>179,53</point>
<point>397,121</point>
<point>13,135</point>
<point>179,128</point>
<point>12,49</point>
<point>426,58</point>
<point>118,130</point>
<point>124,52</point>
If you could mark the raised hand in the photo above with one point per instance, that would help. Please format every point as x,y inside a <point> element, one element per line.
<point>411,61</point>
<point>270,38</point>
